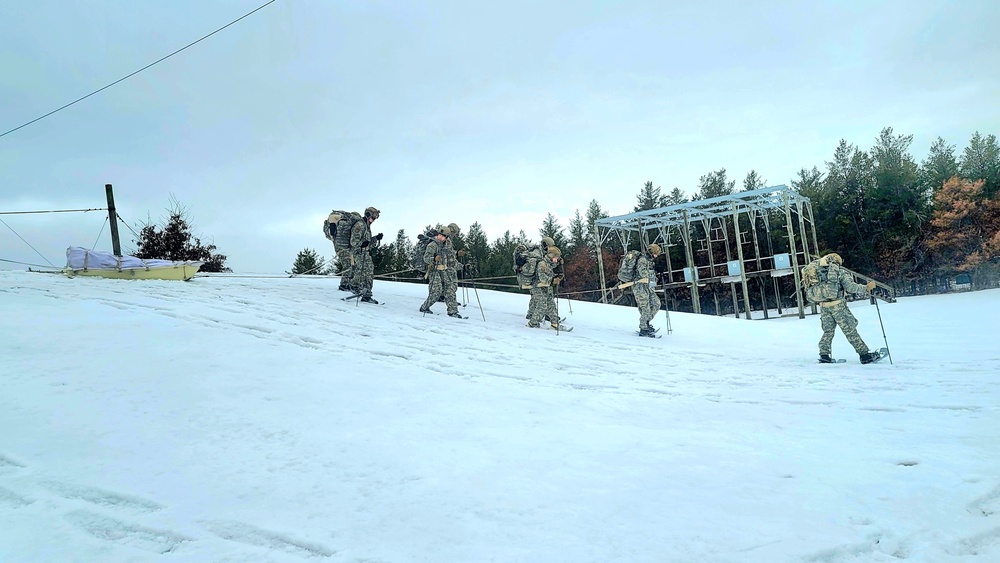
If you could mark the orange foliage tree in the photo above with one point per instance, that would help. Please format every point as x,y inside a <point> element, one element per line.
<point>965,228</point>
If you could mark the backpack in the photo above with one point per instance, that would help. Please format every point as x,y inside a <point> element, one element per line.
<point>417,261</point>
<point>816,283</point>
<point>526,264</point>
<point>629,269</point>
<point>337,227</point>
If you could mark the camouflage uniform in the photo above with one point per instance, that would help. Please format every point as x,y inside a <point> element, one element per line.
<point>645,296</point>
<point>347,265</point>
<point>362,267</point>
<point>543,305</point>
<point>835,313</point>
<point>442,275</point>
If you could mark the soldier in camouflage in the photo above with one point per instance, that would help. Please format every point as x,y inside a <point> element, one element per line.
<point>363,270</point>
<point>834,313</point>
<point>442,271</point>
<point>542,305</point>
<point>644,290</point>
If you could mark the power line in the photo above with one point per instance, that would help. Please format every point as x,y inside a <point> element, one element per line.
<point>138,71</point>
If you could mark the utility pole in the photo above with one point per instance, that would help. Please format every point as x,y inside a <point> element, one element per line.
<point>116,246</point>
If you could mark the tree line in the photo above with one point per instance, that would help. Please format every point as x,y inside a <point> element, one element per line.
<point>914,225</point>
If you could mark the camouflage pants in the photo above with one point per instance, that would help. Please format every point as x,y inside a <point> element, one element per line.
<point>442,282</point>
<point>839,315</point>
<point>362,273</point>
<point>542,306</point>
<point>346,268</point>
<point>648,302</point>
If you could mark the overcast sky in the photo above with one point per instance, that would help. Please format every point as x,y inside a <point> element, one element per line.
<point>459,111</point>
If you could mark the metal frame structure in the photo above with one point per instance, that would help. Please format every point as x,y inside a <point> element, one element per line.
<point>718,220</point>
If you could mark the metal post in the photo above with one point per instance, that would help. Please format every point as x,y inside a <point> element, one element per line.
<point>743,272</point>
<point>600,263</point>
<point>116,246</point>
<point>686,235</point>
<point>795,257</point>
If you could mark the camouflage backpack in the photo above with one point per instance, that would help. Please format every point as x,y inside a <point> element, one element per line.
<point>417,260</point>
<point>628,270</point>
<point>817,284</point>
<point>526,264</point>
<point>337,228</point>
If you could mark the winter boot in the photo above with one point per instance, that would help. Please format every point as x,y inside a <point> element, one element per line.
<point>826,359</point>
<point>456,314</point>
<point>869,357</point>
<point>426,310</point>
<point>534,325</point>
<point>369,299</point>
<point>557,326</point>
<point>649,331</point>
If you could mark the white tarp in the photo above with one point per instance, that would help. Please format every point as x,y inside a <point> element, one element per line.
<point>78,258</point>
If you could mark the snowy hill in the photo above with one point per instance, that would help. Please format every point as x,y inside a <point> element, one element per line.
<point>264,419</point>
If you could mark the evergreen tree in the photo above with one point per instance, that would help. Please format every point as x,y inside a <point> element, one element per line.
<point>981,161</point>
<point>578,240</point>
<point>939,166</point>
<point>648,198</point>
<point>714,184</point>
<point>753,181</point>
<point>896,207</point>
<point>500,263</point>
<point>477,249</point>
<point>174,241</point>
<point>675,197</point>
<point>840,218</point>
<point>308,261</point>
<point>550,228</point>
<point>401,252</point>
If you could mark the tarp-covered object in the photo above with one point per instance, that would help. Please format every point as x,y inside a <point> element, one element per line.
<point>80,261</point>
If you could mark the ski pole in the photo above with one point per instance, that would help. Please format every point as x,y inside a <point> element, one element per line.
<point>477,299</point>
<point>875,301</point>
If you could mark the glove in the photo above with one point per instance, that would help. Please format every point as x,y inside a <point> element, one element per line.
<point>437,259</point>
<point>870,285</point>
<point>364,244</point>
<point>378,237</point>
<point>461,252</point>
<point>520,261</point>
<point>556,280</point>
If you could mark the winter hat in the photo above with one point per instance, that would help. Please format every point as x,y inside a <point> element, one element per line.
<point>455,230</point>
<point>654,249</point>
<point>372,212</point>
<point>834,257</point>
<point>554,252</point>
<point>444,231</point>
<point>547,241</point>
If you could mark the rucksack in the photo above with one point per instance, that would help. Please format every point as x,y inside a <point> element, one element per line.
<point>337,227</point>
<point>417,261</point>
<point>628,270</point>
<point>816,283</point>
<point>526,264</point>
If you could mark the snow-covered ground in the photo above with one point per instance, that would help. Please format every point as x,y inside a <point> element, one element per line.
<point>263,419</point>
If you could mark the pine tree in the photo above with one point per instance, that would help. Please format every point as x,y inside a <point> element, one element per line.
<point>981,161</point>
<point>174,241</point>
<point>714,184</point>
<point>753,181</point>
<point>477,250</point>
<point>578,240</point>
<point>550,228</point>
<point>939,166</point>
<point>675,197</point>
<point>308,261</point>
<point>648,198</point>
<point>896,207</point>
